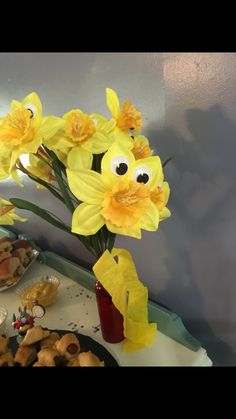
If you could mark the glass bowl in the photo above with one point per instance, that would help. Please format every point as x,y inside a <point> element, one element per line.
<point>3,318</point>
<point>42,290</point>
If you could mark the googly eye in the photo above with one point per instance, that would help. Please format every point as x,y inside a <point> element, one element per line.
<point>119,165</point>
<point>32,108</point>
<point>142,174</point>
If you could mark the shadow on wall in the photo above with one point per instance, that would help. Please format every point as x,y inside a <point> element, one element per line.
<point>201,238</point>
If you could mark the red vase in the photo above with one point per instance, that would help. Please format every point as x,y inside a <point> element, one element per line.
<point>111,319</point>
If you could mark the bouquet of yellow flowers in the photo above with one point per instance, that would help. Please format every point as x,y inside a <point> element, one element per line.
<point>105,173</point>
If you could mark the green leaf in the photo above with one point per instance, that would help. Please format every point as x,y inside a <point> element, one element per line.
<point>167,161</point>
<point>47,185</point>
<point>59,177</point>
<point>42,213</point>
<point>50,218</point>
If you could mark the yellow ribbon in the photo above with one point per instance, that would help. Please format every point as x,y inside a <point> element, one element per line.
<point>129,295</point>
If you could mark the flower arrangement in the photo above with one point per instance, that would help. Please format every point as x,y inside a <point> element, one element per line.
<point>105,173</point>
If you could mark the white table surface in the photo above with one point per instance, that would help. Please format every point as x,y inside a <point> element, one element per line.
<point>76,309</point>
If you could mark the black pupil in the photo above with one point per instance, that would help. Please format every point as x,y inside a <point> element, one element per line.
<point>144,178</point>
<point>31,116</point>
<point>121,169</point>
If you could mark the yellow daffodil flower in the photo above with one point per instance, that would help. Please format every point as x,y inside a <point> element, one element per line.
<point>128,118</point>
<point>118,197</point>
<point>23,130</point>
<point>82,137</point>
<point>160,197</point>
<point>7,213</point>
<point>40,169</point>
<point>141,148</point>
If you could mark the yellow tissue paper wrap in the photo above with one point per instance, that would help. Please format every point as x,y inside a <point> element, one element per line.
<point>120,279</point>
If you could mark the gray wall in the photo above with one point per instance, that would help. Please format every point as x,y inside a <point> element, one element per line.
<point>188,101</point>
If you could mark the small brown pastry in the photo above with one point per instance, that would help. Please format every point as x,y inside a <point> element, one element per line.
<point>74,362</point>
<point>4,255</point>
<point>88,359</point>
<point>9,269</point>
<point>50,340</point>
<point>3,345</point>
<point>38,364</point>
<point>7,360</point>
<point>25,356</point>
<point>21,254</point>
<point>18,244</point>
<point>6,244</point>
<point>33,335</point>
<point>50,357</point>
<point>68,345</point>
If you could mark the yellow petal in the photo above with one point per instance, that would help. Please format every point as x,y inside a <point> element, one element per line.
<point>87,219</point>
<point>142,139</point>
<point>58,142</point>
<point>133,231</point>
<point>50,125</point>
<point>21,219</point>
<point>113,103</point>
<point>154,165</point>
<point>116,154</point>
<point>150,219</point>
<point>62,155</point>
<point>15,176</point>
<point>97,143</point>
<point>97,117</point>
<point>33,102</point>
<point>123,138</point>
<point>79,158</point>
<point>166,188</point>
<point>107,127</point>
<point>86,185</point>
<point>3,174</point>
<point>15,104</point>
<point>165,213</point>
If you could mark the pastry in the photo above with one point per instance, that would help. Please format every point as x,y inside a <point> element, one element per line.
<point>88,359</point>
<point>17,244</point>
<point>50,357</point>
<point>3,344</point>
<point>9,269</point>
<point>4,255</point>
<point>7,360</point>
<point>74,362</point>
<point>6,244</point>
<point>38,364</point>
<point>25,356</point>
<point>33,335</point>
<point>21,254</point>
<point>68,345</point>
<point>50,340</point>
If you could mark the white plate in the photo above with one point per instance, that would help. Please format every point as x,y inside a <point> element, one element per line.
<point>6,287</point>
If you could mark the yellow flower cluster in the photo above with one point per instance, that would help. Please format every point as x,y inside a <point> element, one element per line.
<point>126,193</point>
